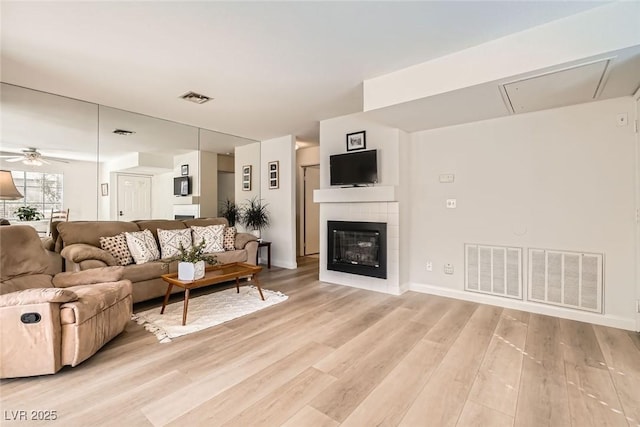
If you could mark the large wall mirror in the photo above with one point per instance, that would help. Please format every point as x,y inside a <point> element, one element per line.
<point>109,164</point>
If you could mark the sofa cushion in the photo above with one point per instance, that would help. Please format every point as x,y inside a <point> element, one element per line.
<point>146,271</point>
<point>170,241</point>
<point>21,252</point>
<point>204,222</point>
<point>79,252</point>
<point>37,296</point>
<point>212,235</point>
<point>28,281</point>
<point>89,232</point>
<point>154,224</point>
<point>229,240</point>
<point>92,299</point>
<point>143,246</point>
<point>88,277</point>
<point>117,246</point>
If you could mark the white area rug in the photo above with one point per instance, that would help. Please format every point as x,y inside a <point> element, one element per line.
<point>205,311</point>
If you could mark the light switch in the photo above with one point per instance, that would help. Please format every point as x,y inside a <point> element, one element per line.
<point>451,203</point>
<point>446,178</point>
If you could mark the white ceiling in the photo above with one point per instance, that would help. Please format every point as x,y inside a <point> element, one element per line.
<point>273,68</point>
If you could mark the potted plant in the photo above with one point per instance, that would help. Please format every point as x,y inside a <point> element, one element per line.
<point>28,213</point>
<point>255,216</point>
<point>191,265</point>
<point>231,212</point>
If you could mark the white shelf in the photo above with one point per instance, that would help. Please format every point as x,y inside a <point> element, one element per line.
<point>379,193</point>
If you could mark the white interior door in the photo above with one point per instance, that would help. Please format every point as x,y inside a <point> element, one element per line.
<point>311,211</point>
<point>134,197</point>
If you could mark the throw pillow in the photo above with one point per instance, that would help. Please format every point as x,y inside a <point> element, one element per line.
<point>117,246</point>
<point>229,241</point>
<point>212,235</point>
<point>170,241</point>
<point>143,246</point>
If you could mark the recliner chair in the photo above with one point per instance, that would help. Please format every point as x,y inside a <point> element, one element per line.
<point>50,319</point>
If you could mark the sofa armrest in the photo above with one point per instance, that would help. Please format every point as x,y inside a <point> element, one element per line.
<point>37,296</point>
<point>243,238</point>
<point>88,277</point>
<point>79,252</point>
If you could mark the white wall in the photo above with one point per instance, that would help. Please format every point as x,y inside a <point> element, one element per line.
<point>208,184</point>
<point>383,138</point>
<point>162,196</point>
<point>304,157</point>
<point>556,179</point>
<point>405,198</point>
<point>281,201</point>
<point>80,185</point>
<point>247,155</point>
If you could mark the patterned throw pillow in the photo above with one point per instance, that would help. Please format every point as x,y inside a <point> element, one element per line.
<point>212,235</point>
<point>143,246</point>
<point>117,246</point>
<point>170,241</point>
<point>229,241</point>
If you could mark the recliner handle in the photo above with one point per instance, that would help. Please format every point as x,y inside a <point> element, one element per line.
<point>30,318</point>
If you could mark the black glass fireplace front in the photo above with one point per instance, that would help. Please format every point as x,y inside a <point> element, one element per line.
<point>358,248</point>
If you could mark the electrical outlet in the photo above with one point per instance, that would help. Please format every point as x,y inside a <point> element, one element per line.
<point>429,266</point>
<point>451,203</point>
<point>448,268</point>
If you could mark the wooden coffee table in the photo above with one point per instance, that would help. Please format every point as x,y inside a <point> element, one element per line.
<point>212,276</point>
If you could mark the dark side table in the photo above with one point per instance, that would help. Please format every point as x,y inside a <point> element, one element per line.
<point>268,246</point>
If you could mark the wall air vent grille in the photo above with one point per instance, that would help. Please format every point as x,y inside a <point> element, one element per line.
<point>494,270</point>
<point>567,279</point>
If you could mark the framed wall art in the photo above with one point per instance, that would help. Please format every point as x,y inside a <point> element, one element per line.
<point>246,178</point>
<point>274,175</point>
<point>184,170</point>
<point>357,141</point>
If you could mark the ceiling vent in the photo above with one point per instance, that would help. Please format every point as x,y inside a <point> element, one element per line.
<point>196,97</point>
<point>559,88</point>
<point>123,132</point>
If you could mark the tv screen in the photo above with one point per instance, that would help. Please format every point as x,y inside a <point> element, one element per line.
<point>354,168</point>
<point>181,186</point>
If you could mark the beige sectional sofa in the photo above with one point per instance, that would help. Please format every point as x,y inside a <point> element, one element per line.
<point>49,319</point>
<point>79,244</point>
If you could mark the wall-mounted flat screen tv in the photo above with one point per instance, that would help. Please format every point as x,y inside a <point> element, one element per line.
<point>182,186</point>
<point>357,168</point>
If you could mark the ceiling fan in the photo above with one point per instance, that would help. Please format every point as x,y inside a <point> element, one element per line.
<point>32,157</point>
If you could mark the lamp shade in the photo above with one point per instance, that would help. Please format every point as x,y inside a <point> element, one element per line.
<point>8,190</point>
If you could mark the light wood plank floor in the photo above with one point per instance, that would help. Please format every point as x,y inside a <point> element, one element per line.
<point>334,355</point>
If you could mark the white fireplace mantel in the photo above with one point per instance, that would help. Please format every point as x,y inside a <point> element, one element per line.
<point>378,193</point>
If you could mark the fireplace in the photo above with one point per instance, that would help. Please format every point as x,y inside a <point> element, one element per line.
<point>357,248</point>
<point>183,217</point>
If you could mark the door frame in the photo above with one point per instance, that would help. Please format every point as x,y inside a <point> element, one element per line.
<point>304,208</point>
<point>636,125</point>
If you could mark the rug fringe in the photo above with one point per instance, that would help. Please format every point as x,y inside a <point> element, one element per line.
<point>276,293</point>
<point>160,333</point>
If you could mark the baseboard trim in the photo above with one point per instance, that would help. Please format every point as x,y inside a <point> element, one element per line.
<point>282,264</point>
<point>598,319</point>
